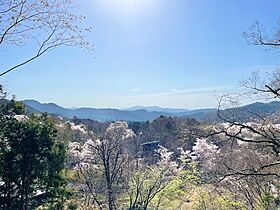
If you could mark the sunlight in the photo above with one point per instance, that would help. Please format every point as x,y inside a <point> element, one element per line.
<point>128,7</point>
<point>138,4</point>
<point>165,107</point>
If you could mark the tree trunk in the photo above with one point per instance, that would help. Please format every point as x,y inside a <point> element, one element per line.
<point>111,200</point>
<point>9,195</point>
<point>110,195</point>
<point>28,171</point>
<point>22,193</point>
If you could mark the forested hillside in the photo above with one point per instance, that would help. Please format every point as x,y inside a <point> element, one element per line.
<point>148,114</point>
<point>214,146</point>
<point>168,163</point>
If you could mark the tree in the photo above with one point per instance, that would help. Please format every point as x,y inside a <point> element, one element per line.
<point>101,163</point>
<point>248,160</point>
<point>145,184</point>
<point>31,162</point>
<point>42,25</point>
<point>153,186</point>
<point>262,131</point>
<point>257,35</point>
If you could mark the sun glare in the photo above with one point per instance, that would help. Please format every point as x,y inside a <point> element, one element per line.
<point>128,7</point>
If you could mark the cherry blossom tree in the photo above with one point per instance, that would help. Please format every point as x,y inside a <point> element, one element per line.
<point>41,25</point>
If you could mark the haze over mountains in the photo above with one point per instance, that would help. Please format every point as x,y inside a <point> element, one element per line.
<point>157,109</point>
<point>139,113</point>
<point>142,113</point>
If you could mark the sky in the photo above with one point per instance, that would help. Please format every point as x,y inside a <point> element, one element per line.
<point>168,53</point>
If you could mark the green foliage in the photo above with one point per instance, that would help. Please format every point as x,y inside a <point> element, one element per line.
<point>31,160</point>
<point>16,107</point>
<point>268,200</point>
<point>11,107</point>
<point>72,206</point>
<point>144,186</point>
<point>180,189</point>
<point>225,202</point>
<point>209,201</point>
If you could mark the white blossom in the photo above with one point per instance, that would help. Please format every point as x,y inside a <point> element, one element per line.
<point>204,149</point>
<point>119,129</point>
<point>80,128</point>
<point>165,156</point>
<point>21,118</point>
<point>185,155</point>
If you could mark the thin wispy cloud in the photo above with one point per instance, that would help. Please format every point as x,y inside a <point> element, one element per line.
<point>177,98</point>
<point>178,92</point>
<point>135,90</point>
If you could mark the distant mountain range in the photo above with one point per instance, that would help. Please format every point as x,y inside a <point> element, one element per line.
<point>142,113</point>
<point>157,109</point>
<point>139,113</point>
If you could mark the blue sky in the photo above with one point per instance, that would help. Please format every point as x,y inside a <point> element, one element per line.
<point>170,53</point>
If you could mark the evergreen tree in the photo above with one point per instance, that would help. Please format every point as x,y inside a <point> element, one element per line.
<point>31,160</point>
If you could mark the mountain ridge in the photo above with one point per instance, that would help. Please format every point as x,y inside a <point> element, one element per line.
<point>157,109</point>
<point>108,114</point>
<point>151,112</point>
